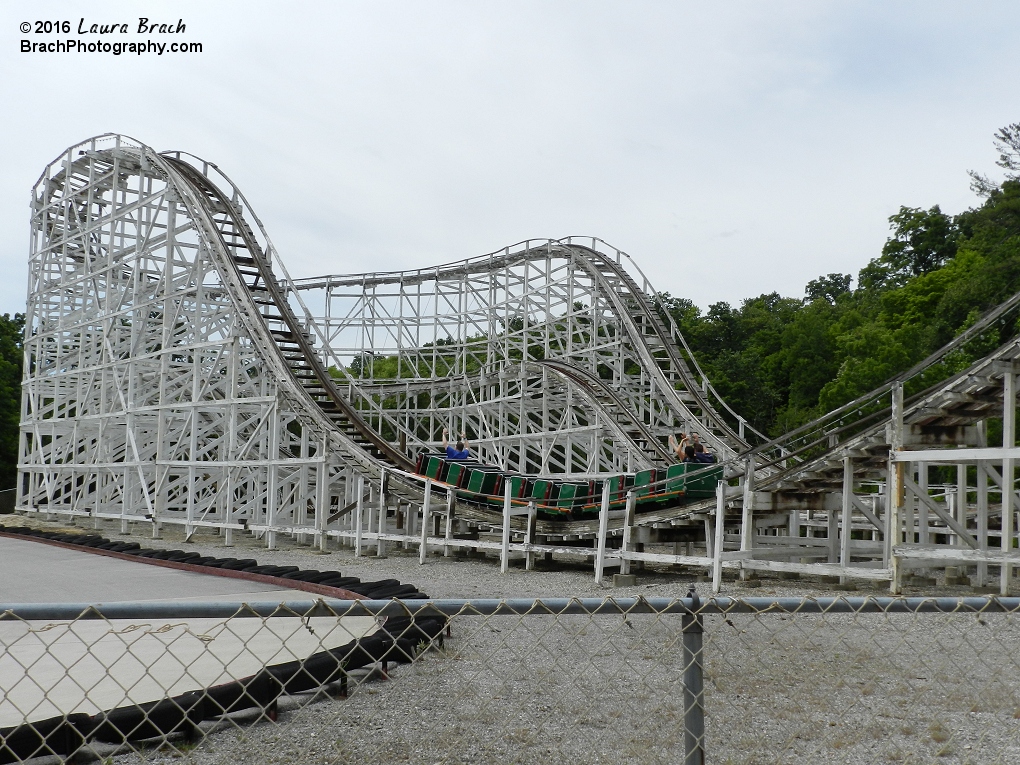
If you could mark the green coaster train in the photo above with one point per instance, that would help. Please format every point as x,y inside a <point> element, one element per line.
<point>654,489</point>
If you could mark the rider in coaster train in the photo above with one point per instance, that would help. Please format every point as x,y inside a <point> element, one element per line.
<point>462,452</point>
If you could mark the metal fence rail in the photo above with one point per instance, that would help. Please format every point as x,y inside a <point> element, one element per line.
<point>721,680</point>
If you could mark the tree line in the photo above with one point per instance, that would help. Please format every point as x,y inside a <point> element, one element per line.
<point>782,361</point>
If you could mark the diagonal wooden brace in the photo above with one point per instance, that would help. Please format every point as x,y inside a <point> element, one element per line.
<point>936,508</point>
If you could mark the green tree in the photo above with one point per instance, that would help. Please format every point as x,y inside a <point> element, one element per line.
<point>827,288</point>
<point>12,334</point>
<point>922,241</point>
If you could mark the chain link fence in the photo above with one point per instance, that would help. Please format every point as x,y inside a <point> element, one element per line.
<point>757,680</point>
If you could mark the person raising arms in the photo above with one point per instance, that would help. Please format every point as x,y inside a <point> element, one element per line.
<point>462,452</point>
<point>677,447</point>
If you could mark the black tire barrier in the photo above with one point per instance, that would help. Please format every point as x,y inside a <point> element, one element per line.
<point>341,582</point>
<point>418,630</point>
<point>260,691</point>
<point>240,564</point>
<point>301,575</point>
<point>220,562</point>
<point>315,671</point>
<point>180,714</point>
<point>184,557</point>
<point>125,546</point>
<point>58,736</point>
<point>88,540</point>
<point>275,570</point>
<point>396,591</point>
<point>382,647</point>
<point>380,583</point>
<point>326,575</point>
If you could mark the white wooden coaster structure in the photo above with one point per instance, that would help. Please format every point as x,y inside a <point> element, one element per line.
<point>176,374</point>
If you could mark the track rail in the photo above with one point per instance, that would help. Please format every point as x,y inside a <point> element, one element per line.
<point>292,342</point>
<point>652,342</point>
<point>614,410</point>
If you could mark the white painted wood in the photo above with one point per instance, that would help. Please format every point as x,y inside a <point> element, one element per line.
<point>321,497</point>
<point>271,476</point>
<point>894,533</point>
<point>819,569</point>
<point>628,526</point>
<point>866,511</point>
<point>961,498</point>
<point>720,523</point>
<point>955,456</point>
<point>847,511</point>
<point>942,513</point>
<point>380,544</point>
<point>1008,491</point>
<point>982,522</point>
<point>529,558</point>
<point>426,509</point>
<point>504,558</point>
<point>811,545</point>
<point>747,508</point>
<point>922,508</point>
<point>600,554</point>
<point>960,554</point>
<point>359,516</point>
<point>451,509</point>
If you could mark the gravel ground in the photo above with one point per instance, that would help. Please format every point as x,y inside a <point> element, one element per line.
<point>577,689</point>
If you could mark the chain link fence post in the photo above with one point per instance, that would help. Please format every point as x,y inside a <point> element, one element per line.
<point>694,683</point>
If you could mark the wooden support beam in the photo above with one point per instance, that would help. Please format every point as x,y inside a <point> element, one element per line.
<point>451,510</point>
<point>600,555</point>
<point>380,544</point>
<point>894,533</point>
<point>862,507</point>
<point>720,522</point>
<point>848,509</point>
<point>426,508</point>
<point>504,553</point>
<point>1009,446</point>
<point>982,505</point>
<point>957,456</point>
<point>628,526</point>
<point>936,508</point>
<point>359,510</point>
<point>529,536</point>
<point>747,510</point>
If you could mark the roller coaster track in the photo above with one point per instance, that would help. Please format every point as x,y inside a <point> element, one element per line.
<point>292,341</point>
<point>658,354</point>
<point>296,351</point>
<point>614,410</point>
<point>653,343</point>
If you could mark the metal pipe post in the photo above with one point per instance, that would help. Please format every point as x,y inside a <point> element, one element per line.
<point>694,684</point>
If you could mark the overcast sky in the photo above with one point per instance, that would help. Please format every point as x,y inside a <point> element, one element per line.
<point>732,149</point>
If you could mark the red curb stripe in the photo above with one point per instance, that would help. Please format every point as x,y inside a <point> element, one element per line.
<point>291,584</point>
